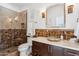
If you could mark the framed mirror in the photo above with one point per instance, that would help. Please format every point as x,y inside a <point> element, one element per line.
<point>56,16</point>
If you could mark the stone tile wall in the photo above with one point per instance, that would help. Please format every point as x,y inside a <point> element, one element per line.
<point>67,33</point>
<point>12,37</point>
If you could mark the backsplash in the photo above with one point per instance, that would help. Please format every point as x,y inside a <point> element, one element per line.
<point>12,37</point>
<point>67,33</point>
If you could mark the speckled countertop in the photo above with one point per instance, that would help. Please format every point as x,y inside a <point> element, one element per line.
<point>62,43</point>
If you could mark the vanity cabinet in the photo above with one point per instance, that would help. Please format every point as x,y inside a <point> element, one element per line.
<point>42,49</point>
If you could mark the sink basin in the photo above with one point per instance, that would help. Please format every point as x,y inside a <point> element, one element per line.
<point>53,39</point>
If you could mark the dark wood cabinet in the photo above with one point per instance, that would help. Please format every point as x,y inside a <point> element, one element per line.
<point>44,50</point>
<point>35,49</point>
<point>41,49</point>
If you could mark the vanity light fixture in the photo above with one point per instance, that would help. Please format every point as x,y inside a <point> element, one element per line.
<point>43,13</point>
<point>70,9</point>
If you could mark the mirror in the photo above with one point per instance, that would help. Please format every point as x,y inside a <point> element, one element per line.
<point>56,16</point>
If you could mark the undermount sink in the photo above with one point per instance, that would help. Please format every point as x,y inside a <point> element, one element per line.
<point>53,39</point>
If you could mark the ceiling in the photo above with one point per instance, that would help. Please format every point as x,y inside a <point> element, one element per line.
<point>22,6</point>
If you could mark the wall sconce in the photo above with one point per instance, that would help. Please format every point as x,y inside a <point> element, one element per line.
<point>9,19</point>
<point>16,18</point>
<point>70,9</point>
<point>43,15</point>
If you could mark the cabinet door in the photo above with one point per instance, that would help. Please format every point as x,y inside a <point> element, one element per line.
<point>35,48</point>
<point>57,51</point>
<point>43,49</point>
<point>39,49</point>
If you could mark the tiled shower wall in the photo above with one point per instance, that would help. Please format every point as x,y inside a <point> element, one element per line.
<point>12,37</point>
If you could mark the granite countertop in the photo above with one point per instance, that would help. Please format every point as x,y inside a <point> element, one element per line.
<point>62,43</point>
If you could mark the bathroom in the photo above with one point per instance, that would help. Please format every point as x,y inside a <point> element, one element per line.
<point>27,28</point>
